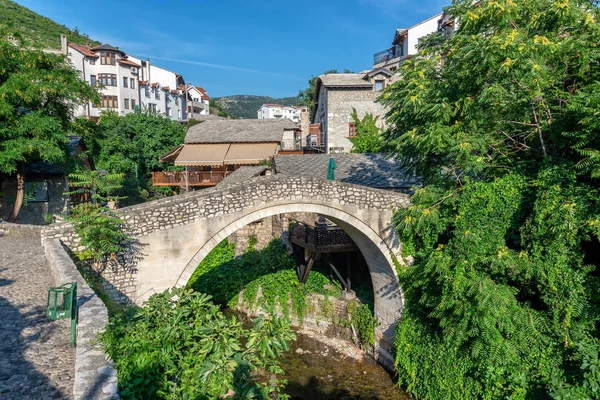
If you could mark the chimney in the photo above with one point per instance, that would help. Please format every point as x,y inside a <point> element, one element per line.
<point>148,67</point>
<point>63,43</point>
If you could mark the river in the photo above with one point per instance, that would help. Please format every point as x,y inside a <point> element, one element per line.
<point>315,370</point>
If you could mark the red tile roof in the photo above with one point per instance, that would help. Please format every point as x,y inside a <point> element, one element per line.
<point>143,83</point>
<point>166,88</point>
<point>128,63</point>
<point>201,90</point>
<point>85,50</point>
<point>155,84</point>
<point>173,91</point>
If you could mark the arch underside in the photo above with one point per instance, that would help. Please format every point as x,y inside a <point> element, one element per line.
<point>377,251</point>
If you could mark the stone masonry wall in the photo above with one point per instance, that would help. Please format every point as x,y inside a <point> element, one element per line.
<point>339,114</point>
<point>95,376</point>
<point>163,214</point>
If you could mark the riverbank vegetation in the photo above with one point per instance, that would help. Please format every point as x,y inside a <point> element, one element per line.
<point>501,121</point>
<point>272,270</point>
<point>180,345</point>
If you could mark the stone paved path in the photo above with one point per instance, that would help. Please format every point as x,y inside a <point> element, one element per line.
<point>36,361</point>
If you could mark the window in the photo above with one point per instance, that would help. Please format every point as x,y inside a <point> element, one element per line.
<point>168,112</point>
<point>92,61</point>
<point>92,80</point>
<point>179,114</point>
<point>132,104</point>
<point>124,81</point>
<point>127,104</point>
<point>132,83</point>
<point>110,102</point>
<point>107,58</point>
<point>197,100</point>
<point>147,91</point>
<point>352,129</point>
<point>176,100</point>
<point>157,93</point>
<point>152,107</point>
<point>36,191</point>
<point>108,79</point>
<point>379,86</point>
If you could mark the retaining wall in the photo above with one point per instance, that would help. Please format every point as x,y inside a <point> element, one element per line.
<point>95,376</point>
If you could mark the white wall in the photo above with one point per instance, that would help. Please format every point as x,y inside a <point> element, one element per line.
<point>268,112</point>
<point>418,31</point>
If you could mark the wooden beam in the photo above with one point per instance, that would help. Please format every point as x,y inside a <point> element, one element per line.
<point>339,276</point>
<point>311,262</point>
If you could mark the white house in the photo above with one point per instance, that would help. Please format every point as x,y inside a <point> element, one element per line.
<point>128,82</point>
<point>268,111</point>
<point>405,43</point>
<point>110,67</point>
<point>197,101</point>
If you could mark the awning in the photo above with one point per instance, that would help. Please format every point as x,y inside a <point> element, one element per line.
<point>250,153</point>
<point>202,154</point>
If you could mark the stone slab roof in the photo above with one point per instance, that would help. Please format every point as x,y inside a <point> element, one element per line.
<point>239,131</point>
<point>372,170</point>
<point>344,80</point>
<point>243,174</point>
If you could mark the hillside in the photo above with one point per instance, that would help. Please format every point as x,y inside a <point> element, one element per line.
<point>246,106</point>
<point>38,31</point>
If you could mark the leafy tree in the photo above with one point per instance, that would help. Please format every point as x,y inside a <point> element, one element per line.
<point>180,345</point>
<point>501,122</point>
<point>368,138</point>
<point>99,186</point>
<point>38,93</point>
<point>132,145</point>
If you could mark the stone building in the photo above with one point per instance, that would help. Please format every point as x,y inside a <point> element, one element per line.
<point>337,95</point>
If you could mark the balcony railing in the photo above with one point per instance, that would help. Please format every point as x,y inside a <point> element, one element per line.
<point>199,104</point>
<point>321,238</point>
<point>190,178</point>
<point>387,55</point>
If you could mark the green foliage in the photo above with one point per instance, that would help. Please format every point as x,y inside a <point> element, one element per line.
<point>180,345</point>
<point>363,321</point>
<point>368,138</point>
<point>100,186</point>
<point>101,231</point>
<point>132,145</point>
<point>502,299</point>
<point>224,277</point>
<point>38,92</point>
<point>38,31</point>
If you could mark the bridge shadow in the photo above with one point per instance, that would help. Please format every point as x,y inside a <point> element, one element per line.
<point>21,330</point>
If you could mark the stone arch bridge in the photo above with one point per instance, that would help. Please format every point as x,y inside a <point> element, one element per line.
<point>176,233</point>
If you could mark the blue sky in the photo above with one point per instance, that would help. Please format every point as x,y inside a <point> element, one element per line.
<point>258,47</point>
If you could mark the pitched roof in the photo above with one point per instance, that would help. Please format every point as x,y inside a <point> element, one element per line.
<point>85,50</point>
<point>128,63</point>
<point>201,90</point>
<point>239,131</point>
<point>242,175</point>
<point>143,83</point>
<point>155,84</point>
<point>345,80</point>
<point>107,47</point>
<point>373,170</point>
<point>377,71</point>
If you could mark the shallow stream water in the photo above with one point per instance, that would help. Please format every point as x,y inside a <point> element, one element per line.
<point>315,370</point>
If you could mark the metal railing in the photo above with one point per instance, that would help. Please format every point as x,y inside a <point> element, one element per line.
<point>387,55</point>
<point>320,236</point>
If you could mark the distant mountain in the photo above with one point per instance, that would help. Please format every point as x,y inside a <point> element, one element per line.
<point>246,106</point>
<point>38,31</point>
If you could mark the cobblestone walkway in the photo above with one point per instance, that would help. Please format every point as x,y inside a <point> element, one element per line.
<point>36,361</point>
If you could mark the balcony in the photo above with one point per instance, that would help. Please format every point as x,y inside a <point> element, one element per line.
<point>385,56</point>
<point>200,105</point>
<point>188,179</point>
<point>328,239</point>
